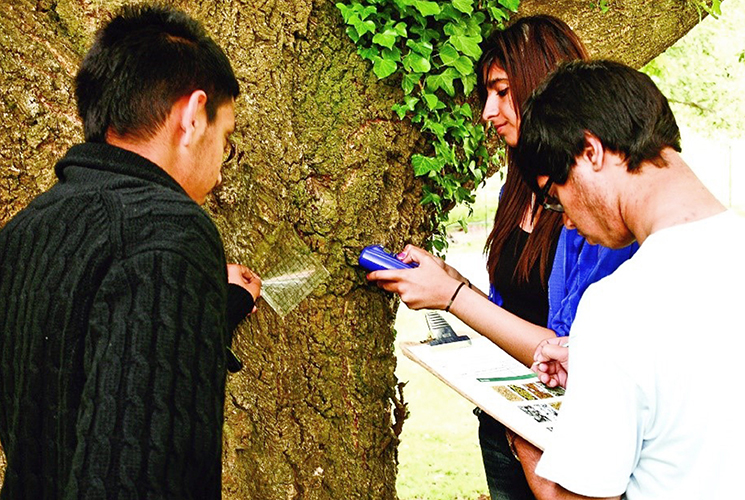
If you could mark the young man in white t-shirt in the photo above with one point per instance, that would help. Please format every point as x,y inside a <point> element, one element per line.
<point>654,346</point>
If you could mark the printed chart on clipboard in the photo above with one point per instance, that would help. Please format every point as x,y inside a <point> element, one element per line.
<point>289,270</point>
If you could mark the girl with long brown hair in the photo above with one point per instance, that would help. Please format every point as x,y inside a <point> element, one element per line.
<point>537,269</point>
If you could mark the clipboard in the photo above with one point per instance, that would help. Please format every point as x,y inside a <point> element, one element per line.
<point>491,379</point>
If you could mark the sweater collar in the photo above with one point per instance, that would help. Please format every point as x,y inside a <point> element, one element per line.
<point>107,158</point>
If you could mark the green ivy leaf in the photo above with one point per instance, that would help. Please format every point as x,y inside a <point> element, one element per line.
<point>464,65</point>
<point>510,4</point>
<point>409,81</point>
<point>468,45</point>
<point>475,24</point>
<point>445,152</point>
<point>422,48</point>
<point>400,110</point>
<point>716,8</point>
<point>450,121</point>
<point>346,11</point>
<point>408,105</point>
<point>427,8</point>
<point>420,113</point>
<point>448,12</point>
<point>439,243</point>
<point>365,12</point>
<point>416,63</point>
<point>400,29</point>
<point>425,34</point>
<point>425,164</point>
<point>356,9</point>
<point>361,26</point>
<point>393,54</point>
<point>465,6</point>
<point>352,33</point>
<point>469,82</point>
<point>498,14</point>
<point>468,147</point>
<point>387,38</point>
<point>384,67</point>
<point>368,53</point>
<point>436,128</point>
<point>448,54</point>
<point>432,101</point>
<point>456,28</point>
<point>442,81</point>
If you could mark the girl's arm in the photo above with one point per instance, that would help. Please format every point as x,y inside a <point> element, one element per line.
<point>432,286</point>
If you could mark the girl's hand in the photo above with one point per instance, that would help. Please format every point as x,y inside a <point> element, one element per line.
<point>412,252</point>
<point>428,286</point>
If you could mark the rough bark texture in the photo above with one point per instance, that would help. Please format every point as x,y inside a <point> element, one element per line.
<point>319,151</point>
<point>631,31</point>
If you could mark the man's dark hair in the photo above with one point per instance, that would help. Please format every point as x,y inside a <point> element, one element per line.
<point>619,105</point>
<point>143,61</point>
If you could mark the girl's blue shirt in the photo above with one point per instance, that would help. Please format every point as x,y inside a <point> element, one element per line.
<point>577,265</point>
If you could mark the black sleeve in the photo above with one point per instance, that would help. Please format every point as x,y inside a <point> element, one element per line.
<point>240,305</point>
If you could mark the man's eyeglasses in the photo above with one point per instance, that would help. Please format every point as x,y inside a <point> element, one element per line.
<point>229,153</point>
<point>549,202</point>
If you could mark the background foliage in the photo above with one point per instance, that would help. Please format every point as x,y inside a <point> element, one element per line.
<point>703,75</point>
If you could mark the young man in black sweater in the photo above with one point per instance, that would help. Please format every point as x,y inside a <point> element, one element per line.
<point>115,309</point>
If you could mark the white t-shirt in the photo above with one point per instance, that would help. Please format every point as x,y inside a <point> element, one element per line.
<point>653,403</point>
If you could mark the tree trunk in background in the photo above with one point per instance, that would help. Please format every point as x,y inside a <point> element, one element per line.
<point>631,31</point>
<point>310,415</point>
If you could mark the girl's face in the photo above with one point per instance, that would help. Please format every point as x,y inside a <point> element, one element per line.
<point>499,109</point>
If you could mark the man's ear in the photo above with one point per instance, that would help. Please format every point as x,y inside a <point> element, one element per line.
<point>193,117</point>
<point>593,151</point>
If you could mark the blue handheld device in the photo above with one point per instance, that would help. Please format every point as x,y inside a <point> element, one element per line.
<point>374,258</point>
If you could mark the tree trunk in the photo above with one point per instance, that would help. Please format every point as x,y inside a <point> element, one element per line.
<point>631,31</point>
<point>320,155</point>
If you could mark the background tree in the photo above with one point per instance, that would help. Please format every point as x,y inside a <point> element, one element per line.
<point>320,155</point>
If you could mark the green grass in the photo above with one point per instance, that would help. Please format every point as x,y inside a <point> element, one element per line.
<point>439,453</point>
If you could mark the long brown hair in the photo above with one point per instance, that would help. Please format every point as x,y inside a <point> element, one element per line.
<point>527,51</point>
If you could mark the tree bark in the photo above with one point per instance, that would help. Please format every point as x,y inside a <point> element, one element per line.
<point>631,31</point>
<point>320,154</point>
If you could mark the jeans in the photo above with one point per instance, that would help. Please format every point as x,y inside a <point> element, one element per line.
<point>504,474</point>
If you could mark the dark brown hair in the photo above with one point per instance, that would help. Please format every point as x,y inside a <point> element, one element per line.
<point>619,105</point>
<point>143,61</point>
<point>527,51</point>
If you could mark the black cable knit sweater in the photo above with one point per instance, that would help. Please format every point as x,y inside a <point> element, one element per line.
<point>113,328</point>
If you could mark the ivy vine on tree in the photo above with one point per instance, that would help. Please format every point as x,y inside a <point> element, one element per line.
<point>433,47</point>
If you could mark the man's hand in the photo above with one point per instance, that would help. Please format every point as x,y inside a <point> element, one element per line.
<point>551,361</point>
<point>245,278</point>
<point>542,489</point>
